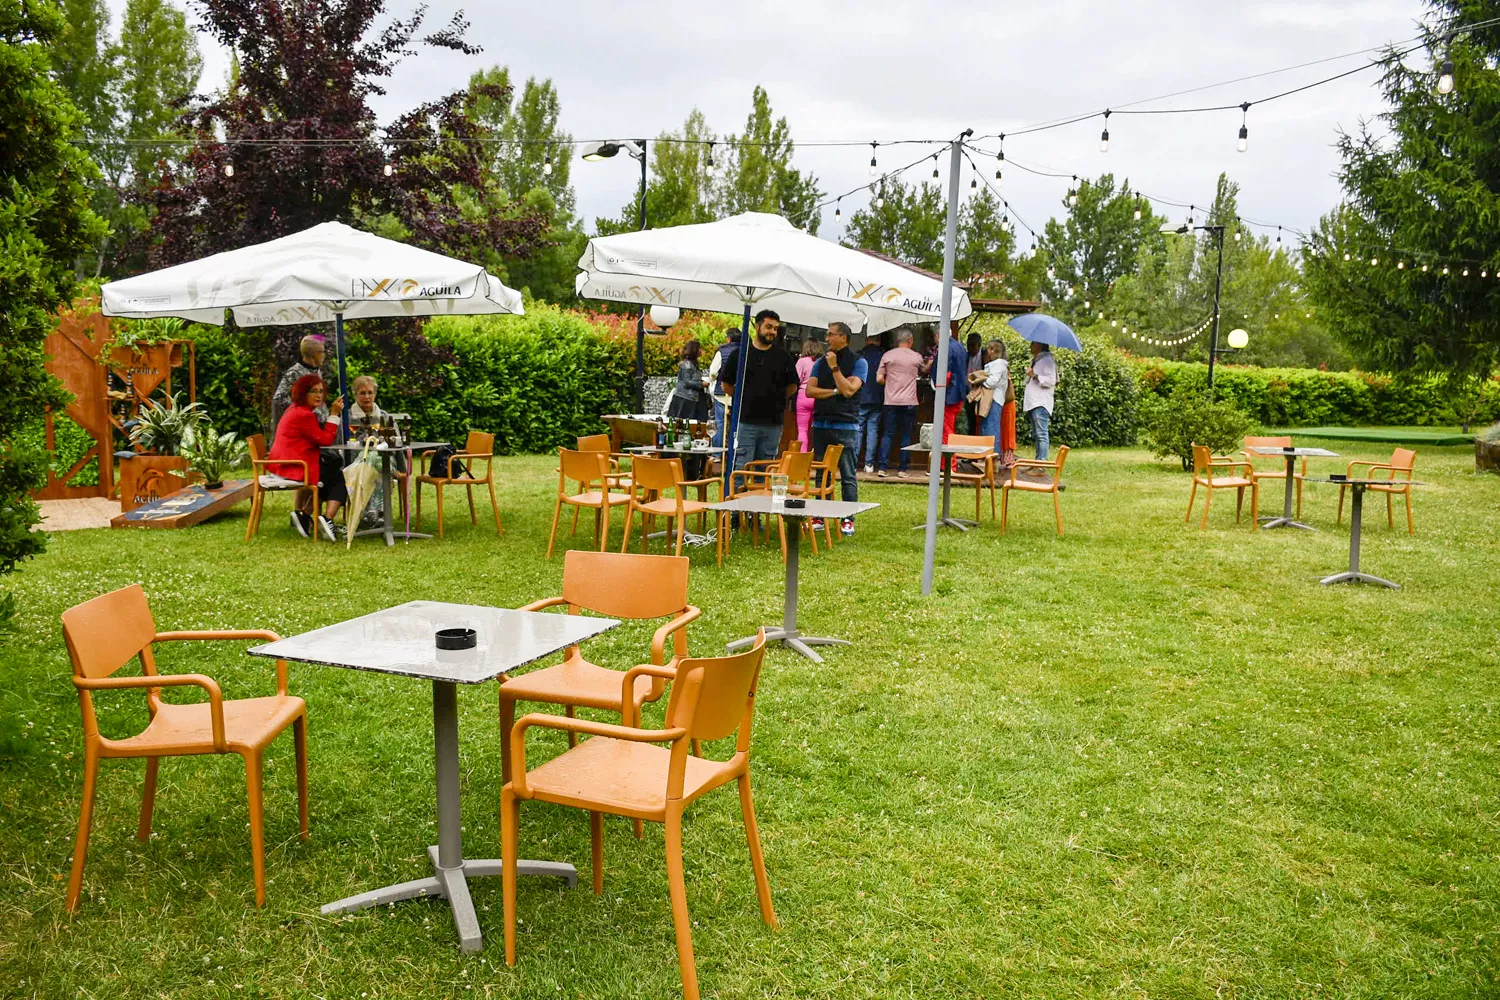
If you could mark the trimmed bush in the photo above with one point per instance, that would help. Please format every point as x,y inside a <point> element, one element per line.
<point>1096,395</point>
<point>1172,426</point>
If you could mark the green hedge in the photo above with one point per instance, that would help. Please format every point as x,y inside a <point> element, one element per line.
<point>1096,393</point>
<point>1303,397</point>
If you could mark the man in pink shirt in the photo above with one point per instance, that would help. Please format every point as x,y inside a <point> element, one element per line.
<point>899,370</point>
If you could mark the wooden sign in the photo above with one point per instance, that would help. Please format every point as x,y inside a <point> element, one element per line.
<point>186,507</point>
<point>73,351</point>
<point>147,478</point>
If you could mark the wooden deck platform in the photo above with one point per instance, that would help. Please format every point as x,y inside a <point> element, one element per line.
<point>186,507</point>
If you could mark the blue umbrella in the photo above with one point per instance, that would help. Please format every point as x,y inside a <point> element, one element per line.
<point>1039,329</point>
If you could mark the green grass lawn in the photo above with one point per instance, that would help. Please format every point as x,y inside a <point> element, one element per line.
<point>1138,761</point>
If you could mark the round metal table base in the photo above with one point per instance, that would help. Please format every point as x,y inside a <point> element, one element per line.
<point>792,640</point>
<point>1356,577</point>
<point>1285,522</point>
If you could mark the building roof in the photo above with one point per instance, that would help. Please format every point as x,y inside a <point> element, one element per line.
<point>1003,306</point>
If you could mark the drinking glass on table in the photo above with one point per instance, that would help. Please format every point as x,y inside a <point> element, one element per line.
<point>779,486</point>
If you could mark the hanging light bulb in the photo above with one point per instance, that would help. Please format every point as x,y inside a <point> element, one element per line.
<point>1401,265</point>
<point>1374,261</point>
<point>1346,256</point>
<point>1004,218</point>
<point>1278,239</point>
<point>1190,215</point>
<point>1104,136</point>
<point>547,161</point>
<point>388,169</point>
<point>1073,192</point>
<point>1101,314</point>
<point>838,209</point>
<point>1236,232</point>
<point>873,166</point>
<point>1137,214</point>
<point>997,176</point>
<point>1424,268</point>
<point>934,167</point>
<point>1445,76</point>
<point>1033,248</point>
<point>974,185</point>
<point>1244,140</point>
<point>710,168</point>
<point>229,170</point>
<point>1001,154</point>
<point>1086,304</point>
<point>1445,269</point>
<point>1484,274</point>
<point>880,197</point>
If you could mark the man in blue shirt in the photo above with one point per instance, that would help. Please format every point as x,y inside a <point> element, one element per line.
<point>958,384</point>
<point>834,386</point>
<point>871,403</point>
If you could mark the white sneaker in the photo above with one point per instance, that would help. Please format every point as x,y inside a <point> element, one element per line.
<point>325,527</point>
<point>869,469</point>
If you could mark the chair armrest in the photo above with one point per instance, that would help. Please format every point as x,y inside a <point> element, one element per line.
<point>1222,464</point>
<point>258,462</point>
<point>1033,463</point>
<point>1372,466</point>
<point>230,634</point>
<point>659,640</point>
<point>215,696</point>
<point>627,686</point>
<point>587,727</point>
<point>546,602</point>
<point>761,463</point>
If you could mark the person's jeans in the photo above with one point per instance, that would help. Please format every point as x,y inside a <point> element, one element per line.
<point>990,423</point>
<point>755,442</point>
<point>719,415</point>
<point>869,432</point>
<point>848,462</point>
<point>1040,419</point>
<point>899,421</point>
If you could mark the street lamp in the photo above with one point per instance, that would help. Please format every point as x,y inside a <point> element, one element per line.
<point>604,149</point>
<point>1213,350</point>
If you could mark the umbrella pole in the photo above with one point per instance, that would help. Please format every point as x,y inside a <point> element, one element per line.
<point>940,381</point>
<point>732,423</point>
<point>338,338</point>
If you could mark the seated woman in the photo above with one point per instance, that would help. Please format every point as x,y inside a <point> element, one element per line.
<point>365,410</point>
<point>299,437</point>
<point>365,414</point>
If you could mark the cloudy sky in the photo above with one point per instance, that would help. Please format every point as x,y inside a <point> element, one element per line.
<point>842,70</point>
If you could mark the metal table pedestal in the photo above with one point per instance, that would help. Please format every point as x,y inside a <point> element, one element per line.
<point>451,869</point>
<point>788,633</point>
<point>1353,574</point>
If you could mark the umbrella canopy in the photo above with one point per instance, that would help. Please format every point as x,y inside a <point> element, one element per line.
<point>310,277</point>
<point>756,259</point>
<point>1039,329</point>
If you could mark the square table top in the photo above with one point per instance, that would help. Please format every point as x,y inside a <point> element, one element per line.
<point>954,449</point>
<point>1294,452</point>
<point>833,509</point>
<point>400,640</point>
<point>651,449</point>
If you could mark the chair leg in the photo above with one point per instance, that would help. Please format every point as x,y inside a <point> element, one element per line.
<point>299,742</point>
<point>257,825</point>
<point>681,520</point>
<point>1208,500</point>
<point>1390,514</point>
<point>317,512</point>
<point>629,517</point>
<point>647,523</point>
<point>253,525</point>
<point>507,723</point>
<point>495,507</point>
<point>1004,508</point>
<point>1057,511</point>
<point>604,512</point>
<point>439,491</point>
<point>1239,504</point>
<point>1411,527</point>
<point>510,822</point>
<point>148,800</point>
<point>85,819</point>
<point>678,892</point>
<point>1192,499</point>
<point>574,532</point>
<point>992,499</point>
<point>757,859</point>
<point>596,849</point>
<point>556,513</point>
<point>473,518</point>
<point>571,713</point>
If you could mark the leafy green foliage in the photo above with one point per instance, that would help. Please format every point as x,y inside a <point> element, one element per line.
<point>212,453</point>
<point>46,224</point>
<point>1096,394</point>
<point>1188,417</point>
<point>1098,241</point>
<point>162,428</point>
<point>1420,182</point>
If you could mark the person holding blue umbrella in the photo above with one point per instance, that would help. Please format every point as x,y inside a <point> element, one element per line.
<point>1044,333</point>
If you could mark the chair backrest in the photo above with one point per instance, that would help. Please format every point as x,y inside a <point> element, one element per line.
<point>1062,460</point>
<point>1202,456</point>
<point>1403,460</point>
<point>796,466</point>
<point>109,631</point>
<point>625,584</point>
<point>594,442</point>
<point>479,443</point>
<point>657,474</point>
<point>979,439</point>
<point>256,445</point>
<point>1285,441</point>
<point>831,458</point>
<point>580,467</point>
<point>713,697</point>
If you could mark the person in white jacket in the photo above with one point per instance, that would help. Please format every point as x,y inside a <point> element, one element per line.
<point>1041,380</point>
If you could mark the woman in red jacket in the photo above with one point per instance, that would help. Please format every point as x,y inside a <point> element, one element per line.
<point>299,437</point>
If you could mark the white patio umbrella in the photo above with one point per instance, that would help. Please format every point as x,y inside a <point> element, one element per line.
<point>759,260</point>
<point>322,274</point>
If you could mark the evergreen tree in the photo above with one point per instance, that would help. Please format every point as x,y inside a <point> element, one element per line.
<point>758,174</point>
<point>1422,184</point>
<point>1098,241</point>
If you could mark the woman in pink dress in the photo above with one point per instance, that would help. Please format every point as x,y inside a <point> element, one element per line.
<point>811,352</point>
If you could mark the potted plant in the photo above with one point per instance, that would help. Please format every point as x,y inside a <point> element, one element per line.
<point>158,469</point>
<point>159,427</point>
<point>211,454</point>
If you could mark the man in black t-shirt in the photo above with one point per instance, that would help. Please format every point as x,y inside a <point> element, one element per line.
<point>770,380</point>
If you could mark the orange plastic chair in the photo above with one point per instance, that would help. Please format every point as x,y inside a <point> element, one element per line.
<point>1204,465</point>
<point>1030,486</point>
<point>1284,441</point>
<point>616,585</point>
<point>657,476</point>
<point>618,479</point>
<point>825,475</point>
<point>985,477</point>
<point>622,772</point>
<point>1403,461</point>
<point>796,465</point>
<point>590,470</point>
<point>108,632</point>
<point>480,447</point>
<point>256,445</point>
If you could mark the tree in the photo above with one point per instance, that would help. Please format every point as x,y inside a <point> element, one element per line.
<point>47,223</point>
<point>295,144</point>
<point>1422,184</point>
<point>159,70</point>
<point>1099,241</point>
<point>758,172</point>
<point>986,248</point>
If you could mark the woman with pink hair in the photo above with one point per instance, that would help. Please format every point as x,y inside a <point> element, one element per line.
<point>811,352</point>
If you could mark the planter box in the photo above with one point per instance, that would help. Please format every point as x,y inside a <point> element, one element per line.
<point>1487,456</point>
<point>145,478</point>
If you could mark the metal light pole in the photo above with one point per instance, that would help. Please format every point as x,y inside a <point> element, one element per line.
<point>940,379</point>
<point>603,150</point>
<point>1213,350</point>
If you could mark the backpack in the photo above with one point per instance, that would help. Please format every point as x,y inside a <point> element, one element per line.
<point>443,465</point>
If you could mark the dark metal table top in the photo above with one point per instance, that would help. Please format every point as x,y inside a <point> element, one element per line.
<point>1294,452</point>
<point>400,640</point>
<point>832,509</point>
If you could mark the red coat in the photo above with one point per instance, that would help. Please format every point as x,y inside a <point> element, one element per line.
<point>298,437</point>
